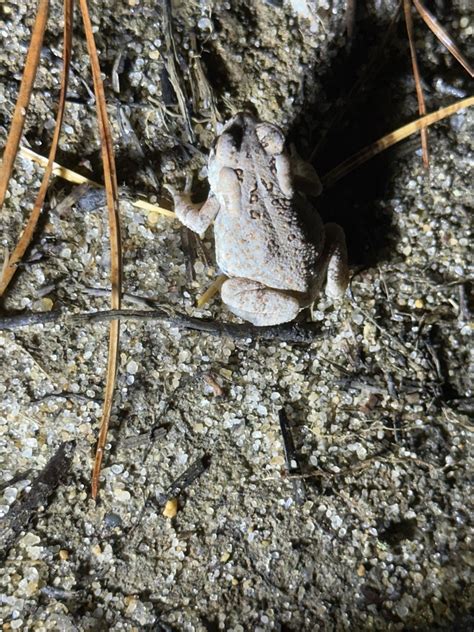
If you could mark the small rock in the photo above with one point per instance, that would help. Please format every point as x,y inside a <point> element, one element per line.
<point>132,367</point>
<point>171,508</point>
<point>121,495</point>
<point>30,539</point>
<point>225,557</point>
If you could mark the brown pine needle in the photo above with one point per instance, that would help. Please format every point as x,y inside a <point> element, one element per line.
<point>23,101</point>
<point>111,190</point>
<point>6,258</point>
<point>390,139</point>
<point>417,77</point>
<point>32,222</point>
<point>443,36</point>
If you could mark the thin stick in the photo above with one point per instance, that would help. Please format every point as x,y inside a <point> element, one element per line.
<point>153,208</point>
<point>298,333</point>
<point>111,189</point>
<point>29,230</point>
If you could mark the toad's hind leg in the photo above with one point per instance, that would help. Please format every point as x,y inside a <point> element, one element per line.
<point>257,303</point>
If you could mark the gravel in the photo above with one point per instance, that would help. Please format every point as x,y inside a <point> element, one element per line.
<point>378,405</point>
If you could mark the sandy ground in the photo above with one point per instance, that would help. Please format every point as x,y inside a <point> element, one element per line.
<point>375,533</point>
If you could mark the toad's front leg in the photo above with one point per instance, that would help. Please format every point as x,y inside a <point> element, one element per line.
<point>259,304</point>
<point>196,217</point>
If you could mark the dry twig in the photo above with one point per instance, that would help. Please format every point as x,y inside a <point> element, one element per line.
<point>291,457</point>
<point>297,333</point>
<point>42,487</point>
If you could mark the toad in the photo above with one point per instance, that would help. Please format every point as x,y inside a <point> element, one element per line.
<point>270,241</point>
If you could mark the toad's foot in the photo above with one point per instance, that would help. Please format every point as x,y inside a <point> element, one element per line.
<point>334,259</point>
<point>257,303</point>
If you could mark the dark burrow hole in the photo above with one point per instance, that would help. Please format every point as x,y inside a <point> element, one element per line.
<point>396,532</point>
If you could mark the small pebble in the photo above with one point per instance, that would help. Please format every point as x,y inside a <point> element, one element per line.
<point>205,24</point>
<point>132,367</point>
<point>171,508</point>
<point>225,557</point>
<point>122,495</point>
<point>112,520</point>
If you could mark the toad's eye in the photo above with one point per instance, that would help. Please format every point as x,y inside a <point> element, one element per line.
<point>271,138</point>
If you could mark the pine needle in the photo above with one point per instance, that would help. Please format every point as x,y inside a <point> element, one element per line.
<point>443,36</point>
<point>16,130</point>
<point>390,139</point>
<point>23,101</point>
<point>58,170</point>
<point>78,178</point>
<point>211,291</point>
<point>153,208</point>
<point>111,190</point>
<point>417,77</point>
<point>6,258</point>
